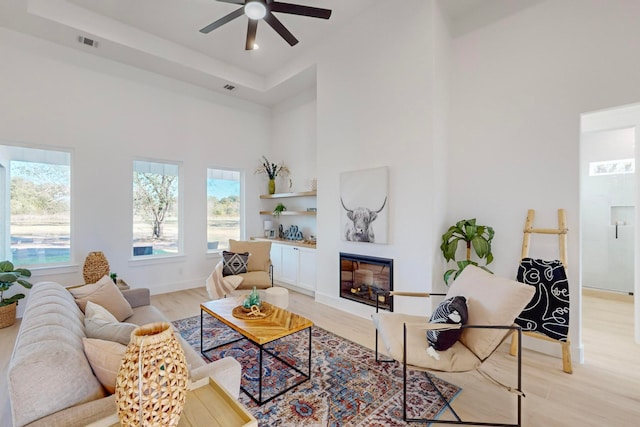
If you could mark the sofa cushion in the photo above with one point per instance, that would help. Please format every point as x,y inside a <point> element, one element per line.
<point>101,324</point>
<point>259,279</point>
<point>105,358</point>
<point>104,293</point>
<point>259,253</point>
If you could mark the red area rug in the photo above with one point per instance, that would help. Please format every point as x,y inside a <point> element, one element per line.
<point>347,386</point>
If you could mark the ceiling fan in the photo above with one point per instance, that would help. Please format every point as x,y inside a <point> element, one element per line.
<point>263,9</point>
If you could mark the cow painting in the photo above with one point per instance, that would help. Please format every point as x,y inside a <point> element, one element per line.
<point>359,228</point>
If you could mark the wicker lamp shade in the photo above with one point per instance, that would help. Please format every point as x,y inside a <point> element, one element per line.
<point>95,267</point>
<point>152,380</point>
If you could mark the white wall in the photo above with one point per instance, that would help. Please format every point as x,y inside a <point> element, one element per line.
<point>376,101</point>
<point>54,96</point>
<point>518,89</point>
<point>293,141</point>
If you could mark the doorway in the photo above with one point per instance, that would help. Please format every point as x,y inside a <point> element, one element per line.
<point>608,194</point>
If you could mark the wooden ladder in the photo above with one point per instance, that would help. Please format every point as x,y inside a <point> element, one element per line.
<point>561,231</point>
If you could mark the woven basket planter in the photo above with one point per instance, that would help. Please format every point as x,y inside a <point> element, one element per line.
<point>152,380</point>
<point>95,267</point>
<point>8,315</point>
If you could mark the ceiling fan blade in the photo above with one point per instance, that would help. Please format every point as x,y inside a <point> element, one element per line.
<point>296,9</point>
<point>220,22</point>
<point>251,34</point>
<point>280,29</point>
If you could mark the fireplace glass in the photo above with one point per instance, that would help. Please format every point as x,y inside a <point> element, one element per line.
<point>363,278</point>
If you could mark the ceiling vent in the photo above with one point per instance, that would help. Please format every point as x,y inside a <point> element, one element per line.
<point>229,87</point>
<point>87,41</point>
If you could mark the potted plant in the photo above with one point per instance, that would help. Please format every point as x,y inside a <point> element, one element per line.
<point>474,236</point>
<point>8,277</point>
<point>272,170</point>
<point>279,209</point>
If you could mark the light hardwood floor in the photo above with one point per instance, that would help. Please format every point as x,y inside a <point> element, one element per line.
<point>602,392</point>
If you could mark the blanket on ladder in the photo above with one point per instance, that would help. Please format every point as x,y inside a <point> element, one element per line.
<point>548,311</point>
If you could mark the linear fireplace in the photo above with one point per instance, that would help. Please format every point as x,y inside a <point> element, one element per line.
<point>363,277</point>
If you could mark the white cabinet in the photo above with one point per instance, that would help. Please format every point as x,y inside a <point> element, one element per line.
<point>289,264</point>
<point>294,265</point>
<point>307,268</point>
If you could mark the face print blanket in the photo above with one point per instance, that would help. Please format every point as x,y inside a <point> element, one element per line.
<point>548,311</point>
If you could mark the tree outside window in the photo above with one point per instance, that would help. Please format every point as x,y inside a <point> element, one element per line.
<point>223,208</point>
<point>37,200</point>
<point>156,227</point>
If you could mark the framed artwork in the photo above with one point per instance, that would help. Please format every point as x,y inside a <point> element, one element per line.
<point>364,197</point>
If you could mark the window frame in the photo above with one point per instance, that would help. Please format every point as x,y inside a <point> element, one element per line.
<point>145,259</point>
<point>242,209</point>
<point>65,266</point>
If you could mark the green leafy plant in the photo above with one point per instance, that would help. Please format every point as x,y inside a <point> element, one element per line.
<point>279,209</point>
<point>9,276</point>
<point>114,277</point>
<point>474,236</point>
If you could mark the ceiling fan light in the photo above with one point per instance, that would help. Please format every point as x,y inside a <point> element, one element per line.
<point>255,10</point>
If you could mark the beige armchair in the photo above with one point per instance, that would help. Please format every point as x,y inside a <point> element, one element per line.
<point>492,303</point>
<point>259,268</point>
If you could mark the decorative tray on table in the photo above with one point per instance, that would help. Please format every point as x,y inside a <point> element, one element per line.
<point>255,312</point>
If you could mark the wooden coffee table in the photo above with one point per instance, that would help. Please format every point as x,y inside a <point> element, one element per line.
<point>278,324</point>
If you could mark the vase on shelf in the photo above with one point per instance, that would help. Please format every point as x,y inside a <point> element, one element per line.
<point>272,186</point>
<point>152,380</point>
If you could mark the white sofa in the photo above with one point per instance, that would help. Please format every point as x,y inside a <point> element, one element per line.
<point>50,380</point>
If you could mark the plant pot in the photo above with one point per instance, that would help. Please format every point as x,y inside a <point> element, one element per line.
<point>8,315</point>
<point>272,186</point>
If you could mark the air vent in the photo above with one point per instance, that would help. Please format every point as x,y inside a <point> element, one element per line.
<point>229,87</point>
<point>87,41</point>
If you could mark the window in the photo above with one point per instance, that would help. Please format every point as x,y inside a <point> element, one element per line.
<point>223,208</point>
<point>36,197</point>
<point>156,207</point>
<point>612,167</point>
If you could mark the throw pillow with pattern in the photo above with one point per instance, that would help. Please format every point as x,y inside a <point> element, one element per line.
<point>234,263</point>
<point>451,311</point>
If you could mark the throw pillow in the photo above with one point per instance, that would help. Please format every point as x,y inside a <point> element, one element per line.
<point>234,263</point>
<point>451,311</point>
<point>105,358</point>
<point>105,293</point>
<point>100,323</point>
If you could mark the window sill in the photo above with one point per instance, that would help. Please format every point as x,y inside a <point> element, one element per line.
<point>49,270</point>
<point>155,259</point>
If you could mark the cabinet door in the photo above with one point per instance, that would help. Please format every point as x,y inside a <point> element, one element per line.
<point>289,264</point>
<point>307,268</point>
<point>276,260</point>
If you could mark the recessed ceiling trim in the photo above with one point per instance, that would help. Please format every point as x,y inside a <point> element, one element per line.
<point>65,13</point>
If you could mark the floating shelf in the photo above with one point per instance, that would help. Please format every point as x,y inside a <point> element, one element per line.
<point>285,195</point>
<point>287,213</point>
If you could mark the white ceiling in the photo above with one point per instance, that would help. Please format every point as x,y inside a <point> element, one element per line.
<point>163,36</point>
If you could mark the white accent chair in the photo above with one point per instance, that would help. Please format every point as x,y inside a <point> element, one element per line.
<point>493,304</point>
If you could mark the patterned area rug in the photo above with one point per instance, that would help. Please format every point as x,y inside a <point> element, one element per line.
<point>347,386</point>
